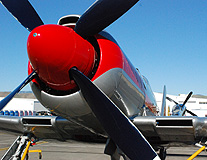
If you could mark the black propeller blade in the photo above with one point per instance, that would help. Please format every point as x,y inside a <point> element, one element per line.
<point>6,100</point>
<point>187,98</point>
<point>120,129</point>
<point>193,114</point>
<point>171,100</point>
<point>23,11</point>
<point>100,15</point>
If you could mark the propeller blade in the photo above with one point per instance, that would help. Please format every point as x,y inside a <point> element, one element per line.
<point>119,128</point>
<point>100,15</point>
<point>193,114</point>
<point>187,98</point>
<point>23,11</point>
<point>171,100</point>
<point>7,99</point>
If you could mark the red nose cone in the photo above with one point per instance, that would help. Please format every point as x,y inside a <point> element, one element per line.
<point>54,49</point>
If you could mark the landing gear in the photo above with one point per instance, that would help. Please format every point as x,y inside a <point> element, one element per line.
<point>162,153</point>
<point>16,149</point>
<point>20,149</point>
<point>113,151</point>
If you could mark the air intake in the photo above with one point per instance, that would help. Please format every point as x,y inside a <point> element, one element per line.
<point>35,121</point>
<point>174,122</point>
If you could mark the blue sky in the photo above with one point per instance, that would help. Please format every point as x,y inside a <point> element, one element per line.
<point>165,39</point>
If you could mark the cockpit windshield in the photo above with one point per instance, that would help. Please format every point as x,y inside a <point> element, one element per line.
<point>176,110</point>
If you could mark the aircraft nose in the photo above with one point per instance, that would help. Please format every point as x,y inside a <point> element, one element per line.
<point>54,49</point>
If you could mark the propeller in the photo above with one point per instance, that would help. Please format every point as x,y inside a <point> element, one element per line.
<point>182,105</point>
<point>7,99</point>
<point>119,128</point>
<point>23,11</point>
<point>187,98</point>
<point>100,15</point>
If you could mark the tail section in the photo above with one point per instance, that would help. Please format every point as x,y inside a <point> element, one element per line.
<point>163,108</point>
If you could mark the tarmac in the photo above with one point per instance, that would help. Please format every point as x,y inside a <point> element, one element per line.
<point>76,150</point>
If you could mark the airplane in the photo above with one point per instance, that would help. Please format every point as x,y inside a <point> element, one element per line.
<point>180,109</point>
<point>79,72</point>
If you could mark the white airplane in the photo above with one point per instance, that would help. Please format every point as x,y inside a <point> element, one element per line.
<point>79,72</point>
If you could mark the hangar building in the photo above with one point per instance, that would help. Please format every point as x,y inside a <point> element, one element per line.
<point>196,104</point>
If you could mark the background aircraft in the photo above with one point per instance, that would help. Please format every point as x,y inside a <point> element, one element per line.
<point>180,109</point>
<point>79,72</point>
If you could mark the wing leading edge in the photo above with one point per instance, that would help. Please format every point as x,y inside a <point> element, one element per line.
<point>47,127</point>
<point>166,130</point>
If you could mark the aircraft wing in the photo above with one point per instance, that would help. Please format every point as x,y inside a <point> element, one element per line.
<point>157,130</point>
<point>47,127</point>
<point>168,130</point>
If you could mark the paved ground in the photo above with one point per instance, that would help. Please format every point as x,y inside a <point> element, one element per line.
<point>73,150</point>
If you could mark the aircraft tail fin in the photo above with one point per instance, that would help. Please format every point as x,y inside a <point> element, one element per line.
<point>163,108</point>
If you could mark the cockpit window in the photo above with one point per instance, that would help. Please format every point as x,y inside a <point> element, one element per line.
<point>145,79</point>
<point>176,110</point>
